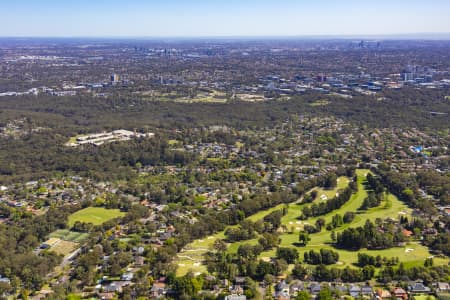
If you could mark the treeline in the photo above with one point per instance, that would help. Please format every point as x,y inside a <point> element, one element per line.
<point>376,261</point>
<point>387,274</point>
<point>440,243</point>
<point>246,263</point>
<point>369,236</point>
<point>376,193</point>
<point>248,230</point>
<point>405,187</point>
<point>337,220</point>
<point>324,256</point>
<point>42,155</point>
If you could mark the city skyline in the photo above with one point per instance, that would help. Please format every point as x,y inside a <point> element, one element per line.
<point>200,18</point>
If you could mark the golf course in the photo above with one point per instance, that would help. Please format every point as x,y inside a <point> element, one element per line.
<point>411,254</point>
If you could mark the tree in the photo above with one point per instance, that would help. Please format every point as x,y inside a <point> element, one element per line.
<point>330,181</point>
<point>333,236</point>
<point>269,240</point>
<point>220,246</point>
<point>429,262</point>
<point>319,224</point>
<point>324,294</point>
<point>349,217</point>
<point>288,254</point>
<point>303,295</point>
<point>303,238</point>
<point>299,271</point>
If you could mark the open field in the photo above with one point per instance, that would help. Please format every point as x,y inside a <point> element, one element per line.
<point>191,257</point>
<point>321,102</point>
<point>207,97</point>
<point>70,236</point>
<point>64,247</point>
<point>325,194</point>
<point>412,254</point>
<point>94,215</point>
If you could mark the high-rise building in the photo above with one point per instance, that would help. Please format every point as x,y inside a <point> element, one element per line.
<point>115,78</point>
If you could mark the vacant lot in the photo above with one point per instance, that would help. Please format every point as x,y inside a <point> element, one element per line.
<point>94,215</point>
<point>64,247</point>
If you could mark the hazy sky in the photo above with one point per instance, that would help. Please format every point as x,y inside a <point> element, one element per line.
<point>154,18</point>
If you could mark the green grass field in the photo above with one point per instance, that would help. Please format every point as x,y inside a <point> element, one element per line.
<point>424,297</point>
<point>325,194</point>
<point>70,236</point>
<point>94,215</point>
<point>190,258</point>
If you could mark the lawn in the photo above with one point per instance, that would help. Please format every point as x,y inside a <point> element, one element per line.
<point>325,194</point>
<point>73,139</point>
<point>94,215</point>
<point>173,142</point>
<point>424,297</point>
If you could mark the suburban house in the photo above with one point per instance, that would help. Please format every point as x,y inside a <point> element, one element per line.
<point>399,293</point>
<point>443,287</point>
<point>418,288</point>
<point>383,294</point>
<point>158,290</point>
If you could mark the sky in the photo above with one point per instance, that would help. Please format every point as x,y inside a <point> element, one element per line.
<point>214,18</point>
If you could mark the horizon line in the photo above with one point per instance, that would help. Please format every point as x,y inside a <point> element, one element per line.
<point>389,36</point>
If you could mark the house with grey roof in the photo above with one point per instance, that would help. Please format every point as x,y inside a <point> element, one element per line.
<point>418,288</point>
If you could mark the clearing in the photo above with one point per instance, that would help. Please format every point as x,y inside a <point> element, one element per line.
<point>64,248</point>
<point>70,236</point>
<point>94,215</point>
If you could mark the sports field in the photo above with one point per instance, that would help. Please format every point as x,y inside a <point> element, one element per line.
<point>94,215</point>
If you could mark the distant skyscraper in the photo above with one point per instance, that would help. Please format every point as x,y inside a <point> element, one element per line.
<point>115,78</point>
